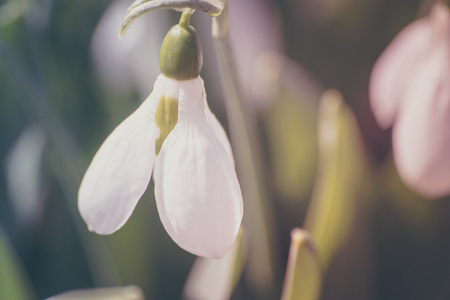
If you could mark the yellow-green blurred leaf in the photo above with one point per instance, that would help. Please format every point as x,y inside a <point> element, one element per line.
<point>12,10</point>
<point>139,236</point>
<point>111,293</point>
<point>13,283</point>
<point>340,173</point>
<point>303,278</point>
<point>292,134</point>
<point>291,123</point>
<point>412,209</point>
<point>216,278</point>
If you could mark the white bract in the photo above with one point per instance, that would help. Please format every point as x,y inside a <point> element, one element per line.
<point>196,188</point>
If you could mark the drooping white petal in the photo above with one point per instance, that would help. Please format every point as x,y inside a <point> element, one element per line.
<point>120,171</point>
<point>196,188</point>
<point>215,124</point>
<point>421,136</point>
<point>392,71</point>
<point>219,132</point>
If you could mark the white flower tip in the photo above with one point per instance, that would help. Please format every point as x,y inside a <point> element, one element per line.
<point>102,231</point>
<point>216,253</point>
<point>94,217</point>
<point>427,189</point>
<point>209,232</point>
<point>432,183</point>
<point>425,171</point>
<point>208,235</point>
<point>210,247</point>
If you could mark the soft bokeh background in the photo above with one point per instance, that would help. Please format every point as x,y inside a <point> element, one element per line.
<point>66,81</point>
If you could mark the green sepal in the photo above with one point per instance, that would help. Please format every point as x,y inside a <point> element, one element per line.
<point>166,117</point>
<point>181,55</point>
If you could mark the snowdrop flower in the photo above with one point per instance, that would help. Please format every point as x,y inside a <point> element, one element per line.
<point>410,90</point>
<point>175,136</point>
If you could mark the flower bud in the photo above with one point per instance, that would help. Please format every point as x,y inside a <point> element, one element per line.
<point>181,56</point>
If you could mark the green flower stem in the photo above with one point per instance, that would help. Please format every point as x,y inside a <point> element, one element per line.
<point>185,19</point>
<point>246,145</point>
<point>140,7</point>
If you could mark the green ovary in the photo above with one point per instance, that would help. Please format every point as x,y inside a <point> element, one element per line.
<point>166,117</point>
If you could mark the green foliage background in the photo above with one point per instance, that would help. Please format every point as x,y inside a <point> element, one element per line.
<point>398,245</point>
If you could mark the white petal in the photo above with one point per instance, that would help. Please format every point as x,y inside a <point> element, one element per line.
<point>120,171</point>
<point>197,192</point>
<point>219,132</point>
<point>421,136</point>
<point>392,71</point>
<point>215,124</point>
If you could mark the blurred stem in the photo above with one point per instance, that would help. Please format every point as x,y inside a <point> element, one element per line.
<point>97,253</point>
<point>262,262</point>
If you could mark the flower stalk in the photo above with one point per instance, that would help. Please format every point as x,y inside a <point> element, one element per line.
<point>140,7</point>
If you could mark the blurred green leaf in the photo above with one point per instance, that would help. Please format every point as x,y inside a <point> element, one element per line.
<point>12,10</point>
<point>303,278</point>
<point>291,122</point>
<point>134,248</point>
<point>13,282</point>
<point>24,175</point>
<point>340,174</point>
<point>216,278</point>
<point>110,293</point>
<point>412,209</point>
<point>291,129</point>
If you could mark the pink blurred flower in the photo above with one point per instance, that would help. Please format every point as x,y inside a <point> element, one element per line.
<point>410,90</point>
